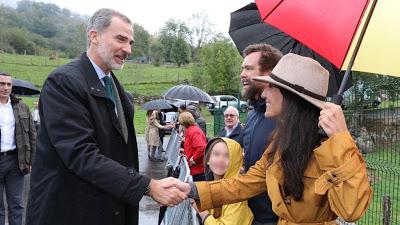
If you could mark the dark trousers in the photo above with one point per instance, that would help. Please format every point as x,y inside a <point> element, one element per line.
<point>12,182</point>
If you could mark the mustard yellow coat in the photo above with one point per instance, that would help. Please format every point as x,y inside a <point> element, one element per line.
<point>237,213</point>
<point>335,184</point>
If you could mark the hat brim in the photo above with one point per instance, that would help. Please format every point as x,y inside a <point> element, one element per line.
<point>268,79</point>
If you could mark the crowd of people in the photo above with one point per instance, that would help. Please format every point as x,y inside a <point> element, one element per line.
<point>273,169</point>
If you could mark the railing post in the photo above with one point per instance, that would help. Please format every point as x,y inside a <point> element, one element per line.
<point>387,205</point>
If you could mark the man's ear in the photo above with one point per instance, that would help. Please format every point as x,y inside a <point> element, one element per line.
<point>94,37</point>
<point>266,73</point>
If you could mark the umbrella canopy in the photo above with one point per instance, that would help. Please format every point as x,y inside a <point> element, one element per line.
<point>188,92</point>
<point>332,27</point>
<point>22,87</point>
<point>156,104</point>
<point>246,27</point>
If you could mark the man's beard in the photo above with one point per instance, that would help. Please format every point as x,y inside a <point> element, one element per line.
<point>108,59</point>
<point>252,91</point>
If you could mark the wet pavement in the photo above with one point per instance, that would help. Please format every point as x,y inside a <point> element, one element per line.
<point>148,209</point>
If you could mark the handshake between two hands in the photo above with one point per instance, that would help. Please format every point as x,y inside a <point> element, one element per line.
<point>169,191</point>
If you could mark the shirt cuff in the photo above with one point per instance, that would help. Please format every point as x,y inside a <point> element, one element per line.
<point>193,191</point>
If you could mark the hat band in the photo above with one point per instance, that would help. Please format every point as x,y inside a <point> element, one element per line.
<point>298,88</point>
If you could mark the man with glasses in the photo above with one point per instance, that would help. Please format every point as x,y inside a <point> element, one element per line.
<point>232,128</point>
<point>18,144</point>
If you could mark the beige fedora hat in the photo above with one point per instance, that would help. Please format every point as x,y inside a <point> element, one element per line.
<point>301,75</point>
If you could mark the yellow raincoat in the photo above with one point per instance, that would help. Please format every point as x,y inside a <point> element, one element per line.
<point>236,213</point>
<point>335,184</point>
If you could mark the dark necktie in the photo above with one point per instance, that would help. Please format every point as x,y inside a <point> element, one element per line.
<point>109,88</point>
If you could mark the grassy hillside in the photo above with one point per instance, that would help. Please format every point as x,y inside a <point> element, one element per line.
<point>141,79</point>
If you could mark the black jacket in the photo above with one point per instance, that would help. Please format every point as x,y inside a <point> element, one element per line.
<point>24,134</point>
<point>235,135</point>
<point>84,172</point>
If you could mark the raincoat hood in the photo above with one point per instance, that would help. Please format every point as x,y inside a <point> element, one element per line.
<point>235,158</point>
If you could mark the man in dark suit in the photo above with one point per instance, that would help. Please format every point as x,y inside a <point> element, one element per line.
<point>232,128</point>
<point>86,166</point>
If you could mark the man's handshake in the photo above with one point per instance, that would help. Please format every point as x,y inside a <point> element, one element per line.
<point>169,191</point>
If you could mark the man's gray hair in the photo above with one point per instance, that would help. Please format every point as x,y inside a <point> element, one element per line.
<point>101,19</point>
<point>2,73</point>
<point>235,110</point>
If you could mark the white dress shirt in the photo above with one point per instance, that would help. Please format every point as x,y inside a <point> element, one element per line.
<point>7,126</point>
<point>100,73</point>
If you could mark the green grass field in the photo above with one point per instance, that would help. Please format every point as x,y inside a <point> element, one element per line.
<point>384,178</point>
<point>140,79</point>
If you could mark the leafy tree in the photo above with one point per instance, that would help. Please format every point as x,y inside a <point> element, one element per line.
<point>180,51</point>
<point>156,52</point>
<point>201,31</point>
<point>18,39</point>
<point>218,68</point>
<point>141,45</point>
<point>170,33</point>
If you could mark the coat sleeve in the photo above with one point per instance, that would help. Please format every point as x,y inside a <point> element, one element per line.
<point>198,145</point>
<point>237,213</point>
<point>214,194</point>
<point>157,124</point>
<point>345,177</point>
<point>32,137</point>
<point>71,131</point>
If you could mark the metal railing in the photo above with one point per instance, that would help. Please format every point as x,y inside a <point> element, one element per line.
<point>183,213</point>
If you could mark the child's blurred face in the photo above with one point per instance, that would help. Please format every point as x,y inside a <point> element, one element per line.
<point>219,159</point>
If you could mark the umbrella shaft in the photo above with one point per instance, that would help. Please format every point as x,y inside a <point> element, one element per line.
<point>354,55</point>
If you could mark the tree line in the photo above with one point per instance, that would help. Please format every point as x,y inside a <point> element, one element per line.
<point>37,28</point>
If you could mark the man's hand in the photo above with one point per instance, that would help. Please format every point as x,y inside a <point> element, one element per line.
<point>165,191</point>
<point>180,185</point>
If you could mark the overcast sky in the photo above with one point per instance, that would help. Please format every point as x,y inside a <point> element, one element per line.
<point>152,14</point>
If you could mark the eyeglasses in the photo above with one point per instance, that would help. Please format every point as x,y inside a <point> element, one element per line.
<point>229,115</point>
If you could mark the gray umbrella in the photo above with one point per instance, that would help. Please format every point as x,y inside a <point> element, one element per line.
<point>22,87</point>
<point>188,92</point>
<point>156,104</point>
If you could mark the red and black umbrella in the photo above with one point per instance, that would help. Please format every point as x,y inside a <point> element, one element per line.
<point>246,27</point>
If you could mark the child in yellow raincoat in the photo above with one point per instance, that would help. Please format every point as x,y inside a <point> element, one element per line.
<point>224,159</point>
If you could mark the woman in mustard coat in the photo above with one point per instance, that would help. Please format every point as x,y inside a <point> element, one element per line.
<point>310,179</point>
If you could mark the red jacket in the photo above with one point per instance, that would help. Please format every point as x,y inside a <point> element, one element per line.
<point>194,146</point>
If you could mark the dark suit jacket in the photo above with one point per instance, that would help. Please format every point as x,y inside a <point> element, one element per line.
<point>84,171</point>
<point>235,135</point>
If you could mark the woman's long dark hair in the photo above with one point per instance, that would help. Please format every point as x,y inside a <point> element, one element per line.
<point>295,137</point>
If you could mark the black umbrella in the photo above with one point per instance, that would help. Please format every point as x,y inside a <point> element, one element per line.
<point>188,92</point>
<point>247,28</point>
<point>156,104</point>
<point>22,87</point>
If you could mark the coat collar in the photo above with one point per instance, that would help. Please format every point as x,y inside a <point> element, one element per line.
<point>14,99</point>
<point>94,84</point>
<point>259,105</point>
<point>96,89</point>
